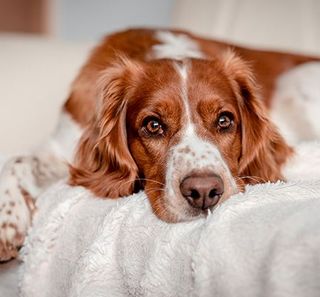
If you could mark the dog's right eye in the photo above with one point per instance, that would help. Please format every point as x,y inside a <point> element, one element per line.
<point>153,126</point>
<point>225,121</point>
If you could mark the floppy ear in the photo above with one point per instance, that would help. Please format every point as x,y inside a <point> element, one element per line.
<point>264,150</point>
<point>103,162</point>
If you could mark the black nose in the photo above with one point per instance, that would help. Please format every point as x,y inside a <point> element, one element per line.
<point>202,190</point>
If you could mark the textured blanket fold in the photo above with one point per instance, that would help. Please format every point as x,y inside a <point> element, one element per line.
<point>262,243</point>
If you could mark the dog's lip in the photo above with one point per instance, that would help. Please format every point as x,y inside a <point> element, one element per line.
<point>195,213</point>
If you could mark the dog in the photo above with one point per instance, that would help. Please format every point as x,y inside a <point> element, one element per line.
<point>184,118</point>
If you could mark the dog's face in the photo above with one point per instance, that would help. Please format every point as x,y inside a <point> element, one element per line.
<point>184,134</point>
<point>190,133</point>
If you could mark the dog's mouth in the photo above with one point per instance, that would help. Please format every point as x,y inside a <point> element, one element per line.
<point>187,199</point>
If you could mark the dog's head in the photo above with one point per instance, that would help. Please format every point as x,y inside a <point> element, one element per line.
<point>190,133</point>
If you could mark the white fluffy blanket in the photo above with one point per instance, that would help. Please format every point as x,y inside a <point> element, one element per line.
<point>265,242</point>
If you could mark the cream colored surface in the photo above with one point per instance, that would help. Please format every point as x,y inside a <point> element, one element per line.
<point>280,24</point>
<point>35,75</point>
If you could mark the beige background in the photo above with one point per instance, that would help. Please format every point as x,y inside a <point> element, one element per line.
<point>35,72</point>
<point>282,24</point>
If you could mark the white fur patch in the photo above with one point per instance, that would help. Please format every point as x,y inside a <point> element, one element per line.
<point>175,46</point>
<point>296,103</point>
<point>65,138</point>
<point>304,165</point>
<point>183,72</point>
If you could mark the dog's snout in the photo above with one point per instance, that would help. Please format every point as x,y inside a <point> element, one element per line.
<point>202,191</point>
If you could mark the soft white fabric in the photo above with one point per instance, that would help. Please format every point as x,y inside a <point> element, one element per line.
<point>262,243</point>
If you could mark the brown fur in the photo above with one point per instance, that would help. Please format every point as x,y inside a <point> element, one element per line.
<point>112,155</point>
<point>264,150</point>
<point>103,162</point>
<point>136,44</point>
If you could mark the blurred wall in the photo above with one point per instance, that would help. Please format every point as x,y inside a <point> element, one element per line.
<point>89,20</point>
<point>281,24</point>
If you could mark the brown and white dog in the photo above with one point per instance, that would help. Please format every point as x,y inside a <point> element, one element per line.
<point>179,116</point>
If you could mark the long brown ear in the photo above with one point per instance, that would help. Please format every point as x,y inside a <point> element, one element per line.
<point>264,150</point>
<point>103,162</point>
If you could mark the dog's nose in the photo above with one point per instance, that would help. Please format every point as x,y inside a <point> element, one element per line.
<point>202,191</point>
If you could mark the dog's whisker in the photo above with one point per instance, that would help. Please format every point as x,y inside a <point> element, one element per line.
<point>151,180</point>
<point>252,177</point>
<point>152,190</point>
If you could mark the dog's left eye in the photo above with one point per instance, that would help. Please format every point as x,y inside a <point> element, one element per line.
<point>153,126</point>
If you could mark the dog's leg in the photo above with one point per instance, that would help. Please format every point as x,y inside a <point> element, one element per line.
<point>23,178</point>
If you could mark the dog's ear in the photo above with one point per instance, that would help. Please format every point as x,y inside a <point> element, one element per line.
<point>264,150</point>
<point>103,162</point>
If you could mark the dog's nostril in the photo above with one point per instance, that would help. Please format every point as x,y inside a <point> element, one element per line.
<point>213,193</point>
<point>194,194</point>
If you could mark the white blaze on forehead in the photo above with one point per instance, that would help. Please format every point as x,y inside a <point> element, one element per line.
<point>206,153</point>
<point>175,46</point>
<point>192,154</point>
<point>183,73</point>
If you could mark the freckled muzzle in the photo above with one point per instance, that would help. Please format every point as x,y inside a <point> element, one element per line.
<point>197,178</point>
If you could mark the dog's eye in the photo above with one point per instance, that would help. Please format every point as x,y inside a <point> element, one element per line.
<point>153,126</point>
<point>225,121</point>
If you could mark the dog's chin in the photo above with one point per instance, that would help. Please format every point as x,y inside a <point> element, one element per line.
<point>177,209</point>
<point>174,208</point>
<point>172,215</point>
<point>171,208</point>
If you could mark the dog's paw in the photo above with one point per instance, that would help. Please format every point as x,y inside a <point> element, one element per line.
<point>16,209</point>
<point>9,250</point>
<point>22,179</point>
